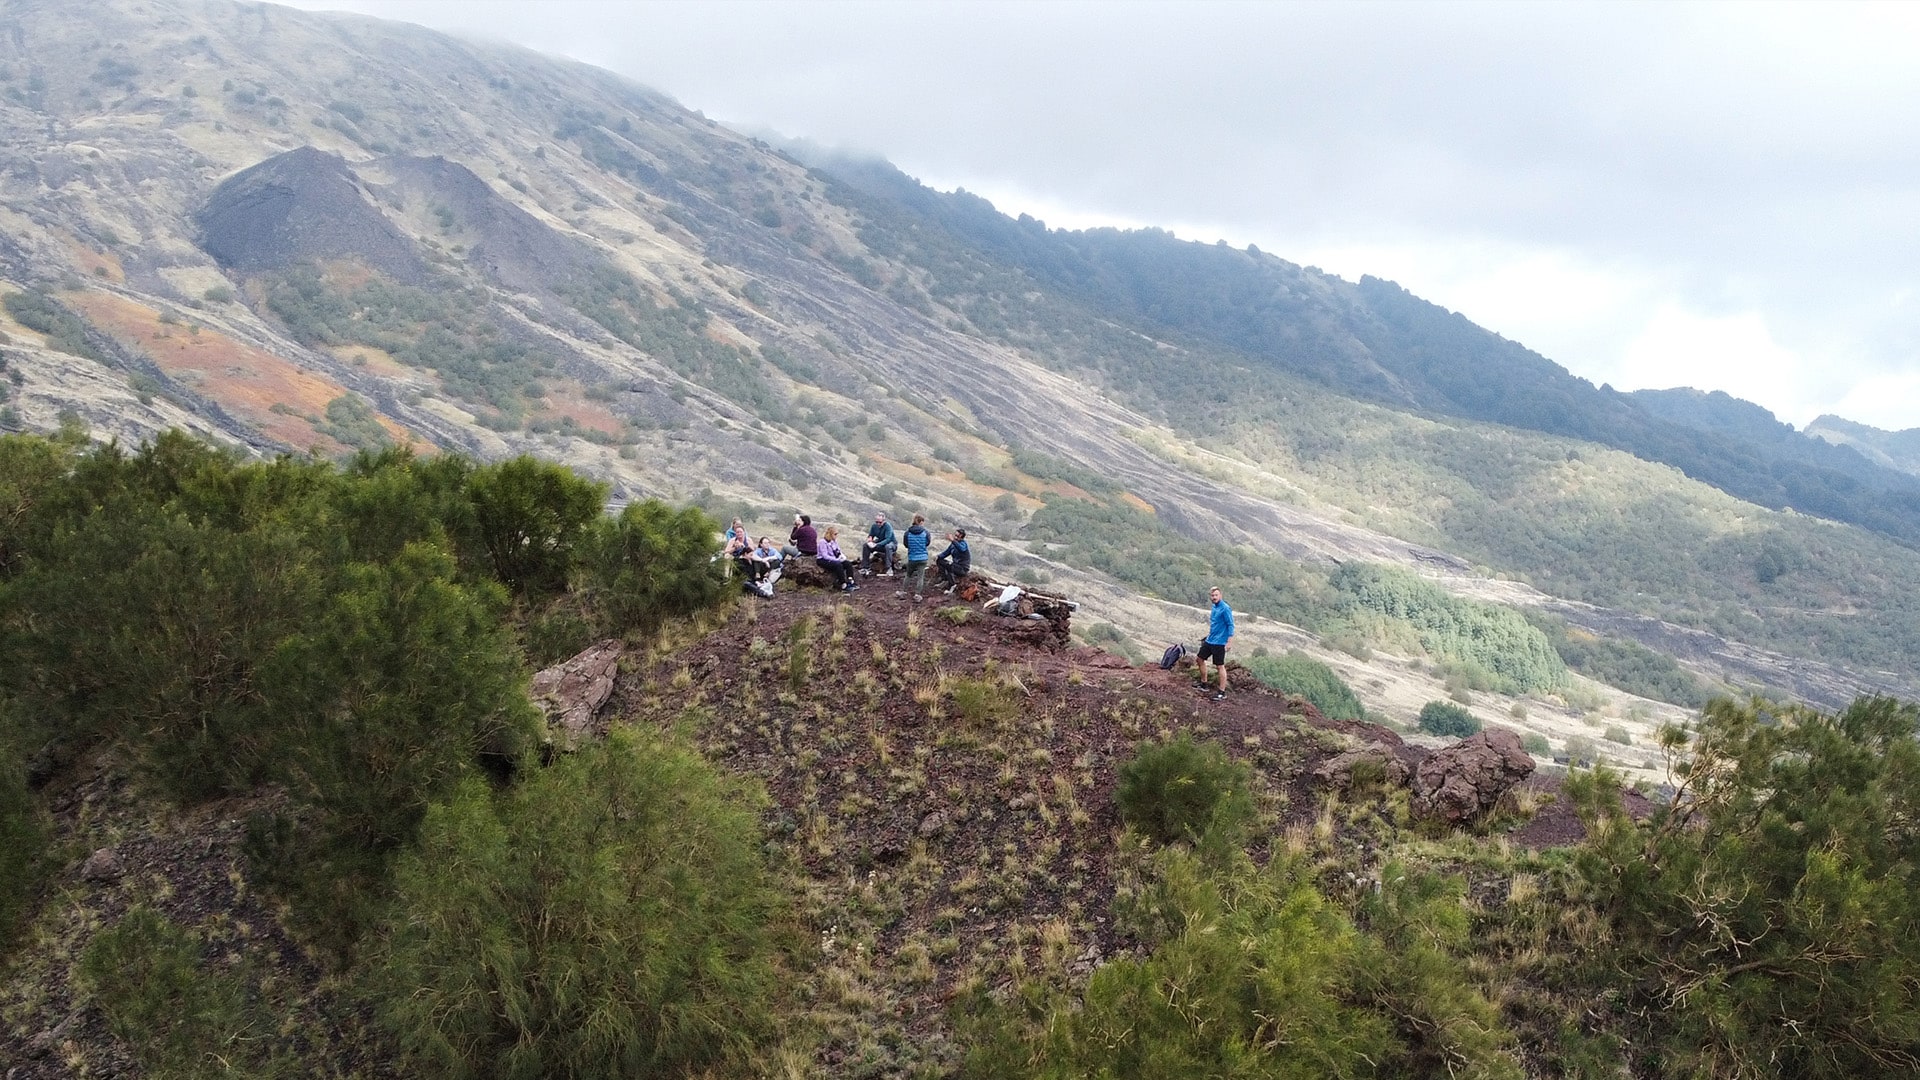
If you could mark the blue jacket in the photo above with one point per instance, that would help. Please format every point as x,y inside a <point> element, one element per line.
<point>958,556</point>
<point>1220,626</point>
<point>918,539</point>
<point>880,534</point>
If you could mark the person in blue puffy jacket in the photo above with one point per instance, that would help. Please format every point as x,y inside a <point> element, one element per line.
<point>919,541</point>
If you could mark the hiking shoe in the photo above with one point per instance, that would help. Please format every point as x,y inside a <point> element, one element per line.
<point>1221,696</point>
<point>901,595</point>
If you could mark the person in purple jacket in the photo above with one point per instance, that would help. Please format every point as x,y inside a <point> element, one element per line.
<point>830,558</point>
<point>802,542</point>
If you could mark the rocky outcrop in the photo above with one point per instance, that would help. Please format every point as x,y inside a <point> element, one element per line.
<point>1374,763</point>
<point>572,691</point>
<point>1461,782</point>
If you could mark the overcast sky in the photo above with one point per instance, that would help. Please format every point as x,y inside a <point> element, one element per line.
<point>1721,196</point>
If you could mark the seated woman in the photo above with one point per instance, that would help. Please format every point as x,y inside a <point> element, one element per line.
<point>764,561</point>
<point>839,569</point>
<point>739,546</point>
<point>956,561</point>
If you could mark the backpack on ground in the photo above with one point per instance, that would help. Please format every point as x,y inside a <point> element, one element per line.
<point>764,587</point>
<point>1172,656</point>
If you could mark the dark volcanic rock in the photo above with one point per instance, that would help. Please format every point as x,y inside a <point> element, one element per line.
<point>1374,760</point>
<point>300,206</point>
<point>1460,782</point>
<point>514,248</point>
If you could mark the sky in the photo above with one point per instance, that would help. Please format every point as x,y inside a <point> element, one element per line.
<point>1724,196</point>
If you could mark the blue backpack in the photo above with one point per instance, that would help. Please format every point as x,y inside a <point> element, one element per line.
<point>1172,656</point>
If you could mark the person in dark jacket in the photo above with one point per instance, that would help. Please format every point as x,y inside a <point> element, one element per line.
<point>919,543</point>
<point>803,541</point>
<point>879,547</point>
<point>955,561</point>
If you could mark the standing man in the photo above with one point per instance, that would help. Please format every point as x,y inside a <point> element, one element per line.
<point>1219,635</point>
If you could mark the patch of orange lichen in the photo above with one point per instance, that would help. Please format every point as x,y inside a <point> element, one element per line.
<point>84,259</point>
<point>976,492</point>
<point>378,361</point>
<point>586,413</point>
<point>246,381</point>
<point>1137,502</point>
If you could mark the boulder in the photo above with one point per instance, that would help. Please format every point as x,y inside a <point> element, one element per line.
<point>572,691</point>
<point>1374,762</point>
<point>101,867</point>
<point>1461,782</point>
<point>804,572</point>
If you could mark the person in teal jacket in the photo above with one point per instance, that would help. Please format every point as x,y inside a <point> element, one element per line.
<point>1219,636</point>
<point>919,543</point>
<point>879,547</point>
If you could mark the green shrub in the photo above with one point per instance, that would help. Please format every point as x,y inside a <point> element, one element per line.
<point>1248,977</point>
<point>1617,734</point>
<point>650,564</point>
<point>1448,720</point>
<point>982,702</point>
<point>1536,744</point>
<point>1496,644</point>
<point>1764,920</point>
<point>1185,790</point>
<point>1412,966</point>
<point>1627,665</point>
<point>1298,673</point>
<point>179,1018</point>
<point>608,916</point>
<point>528,515</point>
<point>64,330</point>
<point>22,833</point>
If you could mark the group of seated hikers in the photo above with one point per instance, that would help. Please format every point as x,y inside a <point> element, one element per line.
<point>879,555</point>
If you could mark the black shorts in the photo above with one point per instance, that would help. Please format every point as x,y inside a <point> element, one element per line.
<point>1216,653</point>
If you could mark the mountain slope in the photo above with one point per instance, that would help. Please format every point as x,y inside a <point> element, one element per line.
<point>1893,449</point>
<point>296,231</point>
<point>1376,341</point>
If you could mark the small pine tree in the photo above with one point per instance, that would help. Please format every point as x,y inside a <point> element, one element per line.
<point>1447,720</point>
<point>1185,790</point>
<point>1765,917</point>
<point>608,916</point>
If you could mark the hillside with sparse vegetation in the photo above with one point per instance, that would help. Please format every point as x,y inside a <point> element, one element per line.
<point>339,397</point>
<point>276,803</point>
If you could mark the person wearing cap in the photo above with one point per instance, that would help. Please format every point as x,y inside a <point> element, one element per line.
<point>880,545</point>
<point>955,561</point>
